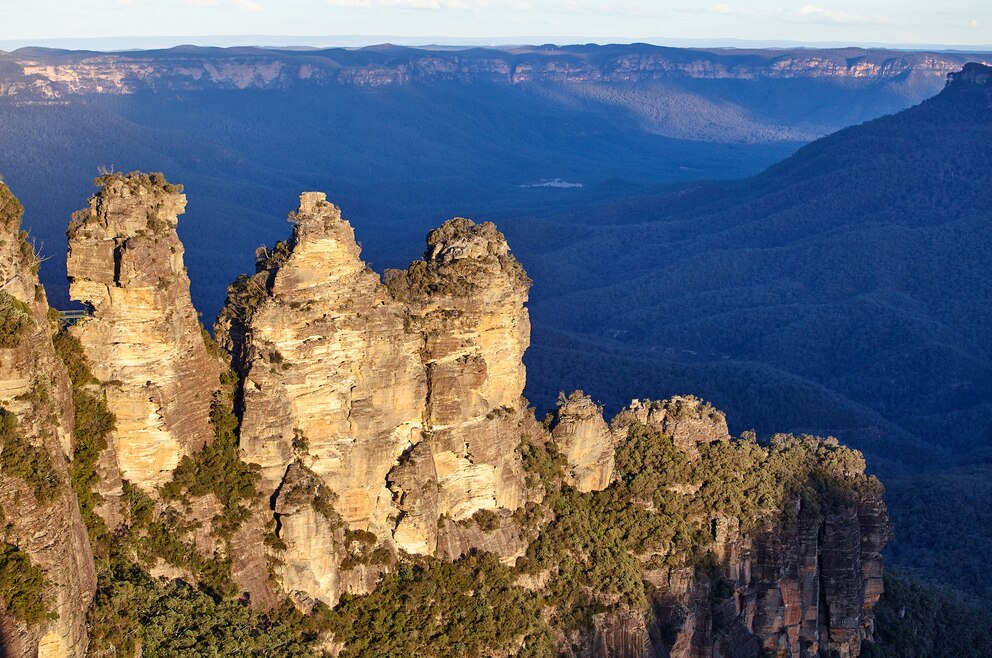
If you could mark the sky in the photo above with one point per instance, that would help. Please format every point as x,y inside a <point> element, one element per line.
<point>855,22</point>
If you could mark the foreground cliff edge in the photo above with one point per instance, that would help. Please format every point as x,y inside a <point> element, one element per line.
<point>353,469</point>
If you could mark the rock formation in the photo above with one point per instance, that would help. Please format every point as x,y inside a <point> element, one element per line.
<point>387,419</point>
<point>587,442</point>
<point>39,515</point>
<point>404,400</point>
<point>801,591</point>
<point>466,302</point>
<point>144,338</point>
<point>330,375</point>
<point>687,419</point>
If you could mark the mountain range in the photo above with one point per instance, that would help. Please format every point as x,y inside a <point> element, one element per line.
<point>681,236</point>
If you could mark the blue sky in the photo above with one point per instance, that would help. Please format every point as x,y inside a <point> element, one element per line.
<point>964,22</point>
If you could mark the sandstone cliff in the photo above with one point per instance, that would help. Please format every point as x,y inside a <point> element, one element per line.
<point>41,74</point>
<point>143,337</point>
<point>802,584</point>
<point>404,400</point>
<point>46,565</point>
<point>376,430</point>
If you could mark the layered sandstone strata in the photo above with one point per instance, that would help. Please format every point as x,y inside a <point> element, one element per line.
<point>586,440</point>
<point>39,515</point>
<point>466,300</point>
<point>144,337</point>
<point>330,374</point>
<point>404,399</point>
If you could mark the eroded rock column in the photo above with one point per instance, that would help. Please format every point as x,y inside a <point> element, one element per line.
<point>144,338</point>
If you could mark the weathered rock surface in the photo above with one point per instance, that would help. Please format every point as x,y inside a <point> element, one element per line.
<point>803,588</point>
<point>687,419</point>
<point>466,300</point>
<point>144,338</point>
<point>329,371</point>
<point>586,441</point>
<point>312,536</point>
<point>405,400</point>
<point>35,389</point>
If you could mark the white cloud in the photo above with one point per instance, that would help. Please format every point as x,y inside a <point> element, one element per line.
<point>243,5</point>
<point>432,4</point>
<point>821,14</point>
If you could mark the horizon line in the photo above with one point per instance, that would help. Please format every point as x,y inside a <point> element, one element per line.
<point>271,41</point>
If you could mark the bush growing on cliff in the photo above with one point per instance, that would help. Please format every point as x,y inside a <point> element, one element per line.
<point>218,468</point>
<point>93,424</point>
<point>662,509</point>
<point>30,463</point>
<point>15,318</point>
<point>470,607</point>
<point>174,619</point>
<point>22,586</point>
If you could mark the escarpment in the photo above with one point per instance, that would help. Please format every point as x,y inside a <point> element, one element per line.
<point>371,457</point>
<point>143,336</point>
<point>47,576</point>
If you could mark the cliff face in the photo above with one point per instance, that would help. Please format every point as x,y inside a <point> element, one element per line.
<point>403,400</point>
<point>801,585</point>
<point>803,590</point>
<point>387,419</point>
<point>465,301</point>
<point>40,74</point>
<point>143,337</point>
<point>330,375</point>
<point>41,531</point>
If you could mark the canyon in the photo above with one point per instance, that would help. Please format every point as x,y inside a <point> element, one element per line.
<point>349,429</point>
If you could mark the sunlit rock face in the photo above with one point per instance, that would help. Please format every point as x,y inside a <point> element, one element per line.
<point>144,337</point>
<point>43,524</point>
<point>404,397</point>
<point>466,299</point>
<point>686,418</point>
<point>586,441</point>
<point>331,375</point>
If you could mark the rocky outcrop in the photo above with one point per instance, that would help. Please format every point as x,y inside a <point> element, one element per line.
<point>466,300</point>
<point>389,418</point>
<point>330,374</point>
<point>403,399</point>
<point>803,591</point>
<point>801,587</point>
<point>39,515</point>
<point>143,338</point>
<point>311,536</point>
<point>687,419</point>
<point>585,439</point>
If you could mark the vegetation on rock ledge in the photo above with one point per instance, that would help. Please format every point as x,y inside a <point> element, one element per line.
<point>22,586</point>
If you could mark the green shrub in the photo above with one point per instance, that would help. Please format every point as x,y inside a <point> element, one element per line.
<point>22,586</point>
<point>15,319</point>
<point>470,607</point>
<point>487,520</point>
<point>218,468</point>
<point>94,424</point>
<point>30,463</point>
<point>175,619</point>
